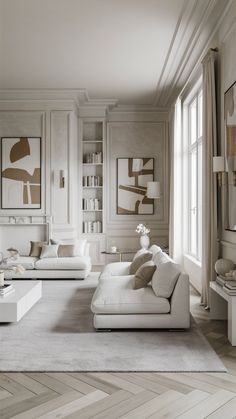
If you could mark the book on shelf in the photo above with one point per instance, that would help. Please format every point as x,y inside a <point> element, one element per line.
<point>229,291</point>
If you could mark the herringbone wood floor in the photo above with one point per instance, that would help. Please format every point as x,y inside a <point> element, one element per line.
<point>127,395</point>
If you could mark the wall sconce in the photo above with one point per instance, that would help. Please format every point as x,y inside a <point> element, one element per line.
<point>63,176</point>
<point>219,168</point>
<point>153,190</point>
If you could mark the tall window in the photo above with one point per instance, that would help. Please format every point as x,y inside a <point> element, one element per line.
<point>194,182</point>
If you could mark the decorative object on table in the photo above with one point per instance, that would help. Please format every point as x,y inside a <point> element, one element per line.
<point>7,266</point>
<point>144,238</point>
<point>113,249</point>
<point>14,253</point>
<point>133,174</point>
<point>21,173</point>
<point>6,290</point>
<point>223,266</point>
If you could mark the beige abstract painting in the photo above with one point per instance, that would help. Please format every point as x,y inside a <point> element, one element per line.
<point>21,173</point>
<point>132,177</point>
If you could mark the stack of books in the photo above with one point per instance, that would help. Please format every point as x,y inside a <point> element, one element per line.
<point>229,285</point>
<point>6,290</point>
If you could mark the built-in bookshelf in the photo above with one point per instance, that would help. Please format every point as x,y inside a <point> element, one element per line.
<point>93,176</point>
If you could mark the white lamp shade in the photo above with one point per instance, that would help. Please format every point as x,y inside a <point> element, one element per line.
<point>153,190</point>
<point>218,164</point>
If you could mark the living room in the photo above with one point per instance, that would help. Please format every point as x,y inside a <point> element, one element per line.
<point>118,203</point>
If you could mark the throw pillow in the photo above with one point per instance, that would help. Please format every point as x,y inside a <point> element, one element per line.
<point>49,251</point>
<point>80,245</point>
<point>144,275</point>
<point>140,252</point>
<point>160,258</point>
<point>138,261</point>
<point>66,250</point>
<point>36,248</point>
<point>165,278</point>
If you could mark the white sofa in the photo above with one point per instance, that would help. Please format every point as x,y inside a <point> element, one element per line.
<point>77,267</point>
<point>116,305</point>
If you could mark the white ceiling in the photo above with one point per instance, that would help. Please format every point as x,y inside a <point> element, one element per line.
<point>130,50</point>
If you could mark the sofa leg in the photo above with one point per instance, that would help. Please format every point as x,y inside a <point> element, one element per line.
<point>103,330</point>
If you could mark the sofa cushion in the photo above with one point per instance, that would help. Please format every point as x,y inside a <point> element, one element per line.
<point>115,269</point>
<point>154,249</point>
<point>138,261</point>
<point>117,296</point>
<point>28,262</point>
<point>66,250</point>
<point>161,257</point>
<point>49,251</point>
<point>80,245</point>
<point>36,248</point>
<point>144,275</point>
<point>64,263</point>
<point>139,253</point>
<point>165,278</point>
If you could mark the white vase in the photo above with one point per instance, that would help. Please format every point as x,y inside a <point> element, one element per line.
<point>144,241</point>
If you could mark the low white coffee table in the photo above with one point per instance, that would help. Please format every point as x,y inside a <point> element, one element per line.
<point>14,306</point>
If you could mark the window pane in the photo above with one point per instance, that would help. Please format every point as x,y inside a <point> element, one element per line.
<point>193,203</point>
<point>193,121</point>
<point>200,114</point>
<point>200,201</point>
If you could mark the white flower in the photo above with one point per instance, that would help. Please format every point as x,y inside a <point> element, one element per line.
<point>142,229</point>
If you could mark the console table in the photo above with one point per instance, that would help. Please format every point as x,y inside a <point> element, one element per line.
<point>223,307</point>
<point>120,253</point>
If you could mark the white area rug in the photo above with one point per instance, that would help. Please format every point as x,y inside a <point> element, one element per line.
<point>58,335</point>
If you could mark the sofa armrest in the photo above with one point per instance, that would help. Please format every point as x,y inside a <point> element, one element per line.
<point>180,300</point>
<point>115,269</point>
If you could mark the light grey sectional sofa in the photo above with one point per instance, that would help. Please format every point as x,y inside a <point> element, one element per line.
<point>116,305</point>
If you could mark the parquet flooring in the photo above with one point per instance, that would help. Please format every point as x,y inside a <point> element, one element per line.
<point>128,395</point>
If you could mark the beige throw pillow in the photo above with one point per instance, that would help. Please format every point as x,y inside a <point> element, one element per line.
<point>165,278</point>
<point>49,251</point>
<point>36,248</point>
<point>67,250</point>
<point>138,261</point>
<point>144,275</point>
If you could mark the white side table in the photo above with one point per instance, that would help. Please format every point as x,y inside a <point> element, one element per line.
<point>14,306</point>
<point>223,307</point>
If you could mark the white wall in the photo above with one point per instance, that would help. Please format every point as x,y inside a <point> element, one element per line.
<point>140,135</point>
<point>55,123</point>
<point>130,133</point>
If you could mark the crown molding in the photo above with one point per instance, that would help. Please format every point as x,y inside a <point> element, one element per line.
<point>79,96</point>
<point>188,44</point>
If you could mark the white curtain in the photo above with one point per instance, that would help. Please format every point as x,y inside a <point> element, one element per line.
<point>209,198</point>
<point>176,184</point>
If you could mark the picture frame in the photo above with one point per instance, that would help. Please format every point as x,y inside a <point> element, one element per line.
<point>21,168</point>
<point>132,177</point>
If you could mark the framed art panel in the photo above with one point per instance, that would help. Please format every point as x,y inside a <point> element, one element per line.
<point>230,147</point>
<point>132,177</point>
<point>21,173</point>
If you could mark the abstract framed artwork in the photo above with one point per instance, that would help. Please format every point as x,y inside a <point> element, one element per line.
<point>132,177</point>
<point>230,149</point>
<point>21,172</point>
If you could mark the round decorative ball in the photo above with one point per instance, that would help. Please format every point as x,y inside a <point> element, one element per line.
<point>222,266</point>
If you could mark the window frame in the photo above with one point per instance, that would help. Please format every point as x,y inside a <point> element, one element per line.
<point>188,149</point>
